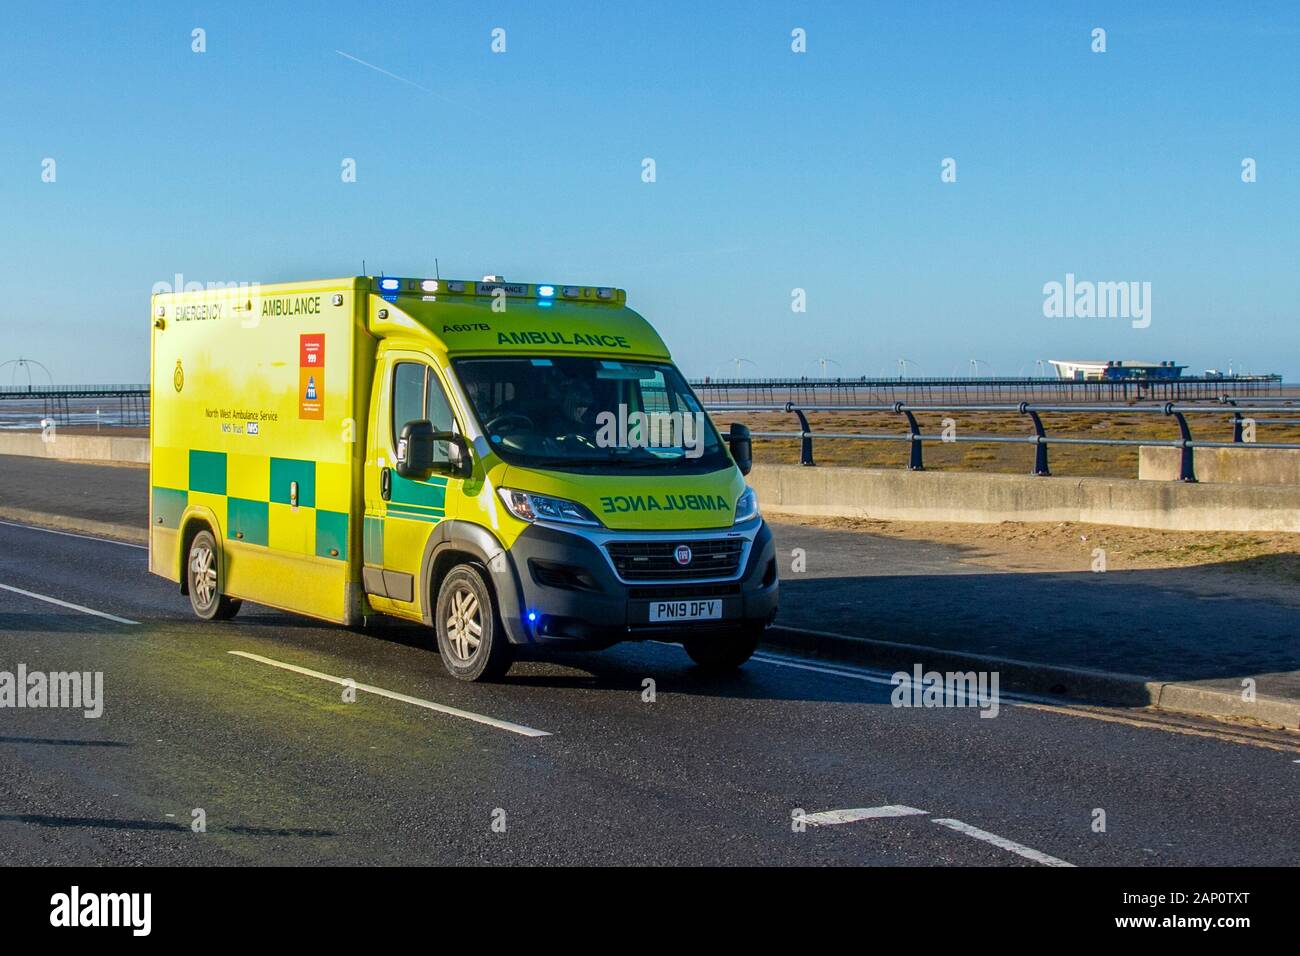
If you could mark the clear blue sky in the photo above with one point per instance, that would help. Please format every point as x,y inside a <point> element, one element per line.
<point>774,170</point>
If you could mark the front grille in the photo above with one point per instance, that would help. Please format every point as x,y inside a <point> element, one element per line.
<point>657,561</point>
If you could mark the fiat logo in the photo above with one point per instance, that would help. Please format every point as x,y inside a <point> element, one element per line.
<point>683,554</point>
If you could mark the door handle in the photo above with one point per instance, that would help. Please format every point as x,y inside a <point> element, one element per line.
<point>386,483</point>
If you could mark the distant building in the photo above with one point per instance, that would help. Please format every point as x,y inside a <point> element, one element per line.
<point>1115,370</point>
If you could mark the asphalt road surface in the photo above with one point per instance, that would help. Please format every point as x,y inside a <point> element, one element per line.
<point>566,761</point>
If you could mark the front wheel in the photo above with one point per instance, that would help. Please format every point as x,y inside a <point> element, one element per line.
<point>471,640</point>
<point>726,651</point>
<point>203,579</point>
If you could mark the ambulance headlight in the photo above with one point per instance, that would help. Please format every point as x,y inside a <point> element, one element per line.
<point>527,506</point>
<point>746,506</point>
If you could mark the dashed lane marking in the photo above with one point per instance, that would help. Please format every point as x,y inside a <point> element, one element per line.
<point>68,604</point>
<point>1002,842</point>
<point>834,817</point>
<point>856,815</point>
<point>404,698</point>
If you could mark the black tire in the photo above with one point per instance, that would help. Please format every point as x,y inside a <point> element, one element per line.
<point>204,580</point>
<point>455,618</point>
<point>721,652</point>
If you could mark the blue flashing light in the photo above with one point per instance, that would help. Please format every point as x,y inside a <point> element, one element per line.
<point>532,616</point>
<point>390,284</point>
<point>546,291</point>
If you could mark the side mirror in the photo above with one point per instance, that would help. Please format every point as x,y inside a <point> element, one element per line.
<point>742,447</point>
<point>415,450</point>
<point>417,453</point>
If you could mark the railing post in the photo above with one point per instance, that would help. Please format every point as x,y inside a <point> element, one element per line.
<point>805,442</point>
<point>1040,445</point>
<point>1187,467</point>
<point>1236,420</point>
<point>914,461</point>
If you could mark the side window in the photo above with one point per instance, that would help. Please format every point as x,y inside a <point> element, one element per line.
<point>408,395</point>
<point>418,395</point>
<point>438,411</point>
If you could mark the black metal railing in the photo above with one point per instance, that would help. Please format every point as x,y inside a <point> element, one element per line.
<point>1241,415</point>
<point>928,389</point>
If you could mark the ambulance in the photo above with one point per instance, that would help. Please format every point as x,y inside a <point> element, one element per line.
<point>474,456</point>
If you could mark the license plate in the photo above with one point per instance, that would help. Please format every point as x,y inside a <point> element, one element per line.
<point>686,610</point>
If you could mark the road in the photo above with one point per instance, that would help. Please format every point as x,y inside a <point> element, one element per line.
<point>286,771</point>
<point>1166,624</point>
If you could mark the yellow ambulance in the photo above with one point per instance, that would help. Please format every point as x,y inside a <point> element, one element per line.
<point>508,463</point>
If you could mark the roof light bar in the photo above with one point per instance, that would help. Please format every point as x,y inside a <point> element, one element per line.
<point>390,287</point>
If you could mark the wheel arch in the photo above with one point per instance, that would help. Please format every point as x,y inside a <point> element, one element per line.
<point>192,522</point>
<point>456,542</point>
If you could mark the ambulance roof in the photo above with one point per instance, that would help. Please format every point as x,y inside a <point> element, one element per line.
<point>494,317</point>
<point>487,317</point>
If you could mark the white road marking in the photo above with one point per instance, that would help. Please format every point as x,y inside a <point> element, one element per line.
<point>404,698</point>
<point>1002,842</point>
<point>833,817</point>
<point>871,677</point>
<point>73,534</point>
<point>886,678</point>
<point>1148,718</point>
<point>73,607</point>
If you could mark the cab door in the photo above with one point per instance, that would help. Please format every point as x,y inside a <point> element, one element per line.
<point>401,513</point>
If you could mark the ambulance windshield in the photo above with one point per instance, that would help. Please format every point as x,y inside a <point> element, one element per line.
<point>590,414</point>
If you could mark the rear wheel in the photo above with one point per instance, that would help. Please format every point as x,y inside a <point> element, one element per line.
<point>203,580</point>
<point>471,640</point>
<point>718,653</point>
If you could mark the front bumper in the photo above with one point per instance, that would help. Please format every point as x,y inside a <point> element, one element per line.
<point>575,598</point>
